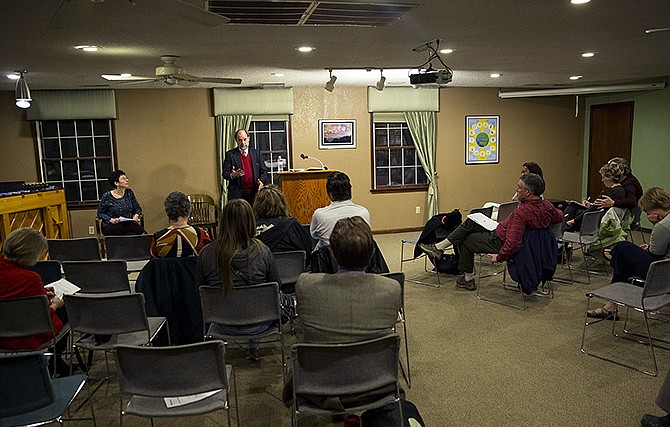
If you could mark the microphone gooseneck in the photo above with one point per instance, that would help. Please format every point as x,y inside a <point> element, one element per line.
<point>303,156</point>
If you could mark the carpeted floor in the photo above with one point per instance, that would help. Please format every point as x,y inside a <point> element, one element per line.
<point>473,362</point>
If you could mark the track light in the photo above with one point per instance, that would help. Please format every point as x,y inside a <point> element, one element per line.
<point>330,84</point>
<point>22,92</point>
<point>382,81</point>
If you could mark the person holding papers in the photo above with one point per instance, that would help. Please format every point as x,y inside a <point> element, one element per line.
<point>118,209</point>
<point>21,249</point>
<point>500,240</point>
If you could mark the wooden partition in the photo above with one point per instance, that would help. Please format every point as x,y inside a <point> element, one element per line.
<point>305,192</point>
<point>45,211</point>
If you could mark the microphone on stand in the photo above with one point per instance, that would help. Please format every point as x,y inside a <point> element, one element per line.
<point>303,156</point>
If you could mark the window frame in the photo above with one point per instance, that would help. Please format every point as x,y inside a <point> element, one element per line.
<point>40,160</point>
<point>289,143</point>
<point>374,189</point>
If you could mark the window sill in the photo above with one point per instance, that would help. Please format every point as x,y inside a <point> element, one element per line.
<point>399,189</point>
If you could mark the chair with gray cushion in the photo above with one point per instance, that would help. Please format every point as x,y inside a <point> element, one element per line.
<point>290,264</point>
<point>30,397</point>
<point>28,316</point>
<point>244,305</point>
<point>49,270</point>
<point>328,379</point>
<point>98,276</point>
<point>79,249</point>
<point>151,374</point>
<point>650,298</point>
<point>136,249</point>
<point>400,278</point>
<point>586,236</point>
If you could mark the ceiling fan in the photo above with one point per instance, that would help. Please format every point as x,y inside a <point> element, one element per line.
<point>169,73</point>
<point>73,13</point>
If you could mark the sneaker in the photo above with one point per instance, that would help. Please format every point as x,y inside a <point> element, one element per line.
<point>252,354</point>
<point>433,252</point>
<point>654,421</point>
<point>466,284</point>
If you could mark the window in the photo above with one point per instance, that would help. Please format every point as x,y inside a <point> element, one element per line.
<point>397,165</point>
<point>77,155</point>
<point>271,139</point>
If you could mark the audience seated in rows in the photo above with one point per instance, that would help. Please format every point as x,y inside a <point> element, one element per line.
<point>350,305</point>
<point>118,209</point>
<point>237,258</point>
<point>179,239</point>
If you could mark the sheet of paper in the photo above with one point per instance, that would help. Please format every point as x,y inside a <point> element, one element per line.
<point>63,287</point>
<point>483,220</point>
<point>124,219</point>
<point>171,402</point>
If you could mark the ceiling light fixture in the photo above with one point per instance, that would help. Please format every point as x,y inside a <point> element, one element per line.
<point>87,48</point>
<point>583,90</point>
<point>575,77</point>
<point>588,54</point>
<point>446,50</point>
<point>330,84</point>
<point>656,30</point>
<point>277,74</point>
<point>304,49</point>
<point>495,75</point>
<point>14,76</point>
<point>382,81</point>
<point>579,1</point>
<point>22,92</point>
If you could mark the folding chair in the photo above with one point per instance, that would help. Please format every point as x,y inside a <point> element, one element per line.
<point>135,250</point>
<point>155,376</point>
<point>323,374</point>
<point>49,270</point>
<point>587,235</point>
<point>654,295</point>
<point>28,316</point>
<point>400,278</point>
<point>98,276</point>
<point>403,260</point>
<point>291,264</point>
<point>79,249</point>
<point>30,397</point>
<point>635,224</point>
<point>244,305</point>
<point>121,317</point>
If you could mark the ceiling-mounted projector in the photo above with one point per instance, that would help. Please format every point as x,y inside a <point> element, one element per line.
<point>431,77</point>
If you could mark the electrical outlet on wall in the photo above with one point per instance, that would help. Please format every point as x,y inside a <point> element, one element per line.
<point>418,209</point>
<point>91,230</point>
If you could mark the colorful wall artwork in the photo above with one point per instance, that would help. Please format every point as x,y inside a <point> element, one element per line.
<point>482,139</point>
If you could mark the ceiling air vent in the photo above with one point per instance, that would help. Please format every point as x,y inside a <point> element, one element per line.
<point>315,13</point>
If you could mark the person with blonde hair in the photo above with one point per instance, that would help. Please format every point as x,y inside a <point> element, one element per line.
<point>236,258</point>
<point>629,260</point>
<point>274,224</point>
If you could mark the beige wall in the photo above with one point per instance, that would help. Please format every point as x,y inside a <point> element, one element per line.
<point>166,142</point>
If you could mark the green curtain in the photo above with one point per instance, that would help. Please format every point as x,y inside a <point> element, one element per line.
<point>225,138</point>
<point>422,127</point>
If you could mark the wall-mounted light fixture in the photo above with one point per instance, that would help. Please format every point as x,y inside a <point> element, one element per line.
<point>382,81</point>
<point>330,84</point>
<point>22,92</point>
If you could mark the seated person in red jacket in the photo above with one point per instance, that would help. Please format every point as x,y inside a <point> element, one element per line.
<point>21,249</point>
<point>503,242</point>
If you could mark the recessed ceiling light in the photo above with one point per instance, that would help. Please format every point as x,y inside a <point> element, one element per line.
<point>579,1</point>
<point>495,75</point>
<point>446,50</point>
<point>588,54</point>
<point>14,76</point>
<point>656,30</point>
<point>277,74</point>
<point>575,77</point>
<point>87,48</point>
<point>304,49</point>
<point>126,75</point>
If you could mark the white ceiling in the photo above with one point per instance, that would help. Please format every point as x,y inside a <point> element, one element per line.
<point>532,43</point>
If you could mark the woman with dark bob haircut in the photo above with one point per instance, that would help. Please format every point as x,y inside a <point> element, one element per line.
<point>21,249</point>
<point>179,239</point>
<point>275,226</point>
<point>235,259</point>
<point>118,209</point>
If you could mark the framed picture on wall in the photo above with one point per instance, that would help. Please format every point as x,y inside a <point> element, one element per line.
<point>337,134</point>
<point>482,139</point>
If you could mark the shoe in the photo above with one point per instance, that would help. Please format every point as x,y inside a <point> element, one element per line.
<point>252,354</point>
<point>466,284</point>
<point>433,252</point>
<point>602,314</point>
<point>649,420</point>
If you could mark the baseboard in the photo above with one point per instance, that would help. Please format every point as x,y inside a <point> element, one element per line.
<point>397,230</point>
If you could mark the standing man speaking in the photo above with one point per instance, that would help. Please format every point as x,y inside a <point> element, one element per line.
<point>244,169</point>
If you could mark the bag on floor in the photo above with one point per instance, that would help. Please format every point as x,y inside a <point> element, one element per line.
<point>387,416</point>
<point>448,264</point>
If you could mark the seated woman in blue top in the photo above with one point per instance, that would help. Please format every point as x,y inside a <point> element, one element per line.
<point>118,209</point>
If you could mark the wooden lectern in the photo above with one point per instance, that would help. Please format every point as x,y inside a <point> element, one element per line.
<point>305,192</point>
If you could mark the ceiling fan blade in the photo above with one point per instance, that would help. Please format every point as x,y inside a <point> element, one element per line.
<point>136,82</point>
<point>71,14</point>
<point>191,12</point>
<point>186,83</point>
<point>222,80</point>
<point>118,77</point>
